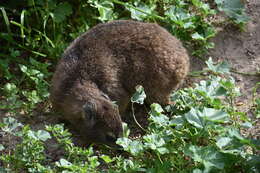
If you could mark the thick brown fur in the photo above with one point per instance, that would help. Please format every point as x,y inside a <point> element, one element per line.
<point>106,63</point>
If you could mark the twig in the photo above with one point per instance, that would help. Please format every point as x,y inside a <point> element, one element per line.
<point>246,73</point>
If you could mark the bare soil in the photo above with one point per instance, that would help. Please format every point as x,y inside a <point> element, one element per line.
<point>241,49</point>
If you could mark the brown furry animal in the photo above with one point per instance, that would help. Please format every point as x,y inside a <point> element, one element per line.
<point>105,64</point>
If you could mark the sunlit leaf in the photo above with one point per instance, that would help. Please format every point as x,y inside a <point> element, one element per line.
<point>139,95</point>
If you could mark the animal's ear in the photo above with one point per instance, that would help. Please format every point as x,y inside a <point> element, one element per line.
<point>90,111</point>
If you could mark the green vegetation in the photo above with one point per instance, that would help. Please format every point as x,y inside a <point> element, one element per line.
<point>200,132</point>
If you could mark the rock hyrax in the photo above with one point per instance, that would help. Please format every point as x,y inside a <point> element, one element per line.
<point>105,64</point>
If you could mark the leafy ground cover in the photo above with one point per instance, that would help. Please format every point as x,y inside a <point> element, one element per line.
<point>199,132</point>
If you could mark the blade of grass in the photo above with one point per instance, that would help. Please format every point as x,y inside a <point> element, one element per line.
<point>6,20</point>
<point>22,23</point>
<point>19,25</point>
<point>46,37</point>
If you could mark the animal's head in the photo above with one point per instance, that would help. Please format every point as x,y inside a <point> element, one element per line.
<point>93,114</point>
<point>102,122</point>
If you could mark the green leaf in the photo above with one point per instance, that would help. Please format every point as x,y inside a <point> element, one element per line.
<point>61,11</point>
<point>63,163</point>
<point>43,135</point>
<point>106,158</point>
<point>161,120</point>
<point>223,142</point>
<point>126,130</point>
<point>134,147</point>
<point>208,156</point>
<point>156,109</point>
<point>177,121</point>
<point>234,9</point>
<point>197,171</point>
<point>162,150</point>
<point>199,119</point>
<point>215,115</point>
<point>10,87</point>
<point>105,9</point>
<point>11,125</point>
<point>153,141</point>
<point>197,36</point>
<point>221,68</point>
<point>254,162</point>
<point>194,117</point>
<point>180,17</point>
<point>247,125</point>
<point>141,10</point>
<point>139,95</point>
<point>235,133</point>
<point>211,88</point>
<point>2,147</point>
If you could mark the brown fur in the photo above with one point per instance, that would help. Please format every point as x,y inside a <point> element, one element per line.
<point>106,63</point>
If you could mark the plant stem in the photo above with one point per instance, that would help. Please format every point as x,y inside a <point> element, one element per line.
<point>246,73</point>
<point>133,113</point>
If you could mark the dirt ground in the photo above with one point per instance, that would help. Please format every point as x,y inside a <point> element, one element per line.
<point>240,49</point>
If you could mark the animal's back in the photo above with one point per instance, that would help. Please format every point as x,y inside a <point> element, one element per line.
<point>119,55</point>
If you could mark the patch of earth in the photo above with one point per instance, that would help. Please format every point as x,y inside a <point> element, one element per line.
<point>242,51</point>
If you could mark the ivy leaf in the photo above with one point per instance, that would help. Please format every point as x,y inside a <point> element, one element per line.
<point>222,68</point>
<point>139,95</point>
